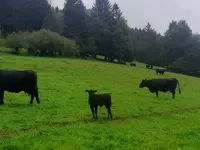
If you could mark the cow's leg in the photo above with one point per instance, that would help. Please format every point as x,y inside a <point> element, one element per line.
<point>96,111</point>
<point>92,109</point>
<point>37,96</point>
<point>173,93</point>
<point>1,97</point>
<point>109,112</point>
<point>32,97</point>
<point>157,93</point>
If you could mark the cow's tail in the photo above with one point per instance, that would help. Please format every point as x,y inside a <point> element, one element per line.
<point>179,88</point>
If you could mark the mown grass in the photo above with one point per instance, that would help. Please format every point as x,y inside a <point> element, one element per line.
<point>63,120</point>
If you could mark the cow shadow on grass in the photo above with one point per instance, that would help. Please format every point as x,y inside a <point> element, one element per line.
<point>81,119</point>
<point>87,119</point>
<point>18,105</point>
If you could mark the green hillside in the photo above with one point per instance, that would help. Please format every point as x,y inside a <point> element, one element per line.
<point>63,120</point>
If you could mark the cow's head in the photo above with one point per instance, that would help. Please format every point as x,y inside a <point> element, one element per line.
<point>143,83</point>
<point>91,92</point>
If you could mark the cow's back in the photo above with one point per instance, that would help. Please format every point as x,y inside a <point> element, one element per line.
<point>164,84</point>
<point>102,99</point>
<point>16,80</point>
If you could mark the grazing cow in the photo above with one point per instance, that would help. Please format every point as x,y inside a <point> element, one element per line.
<point>96,100</point>
<point>164,85</point>
<point>133,64</point>
<point>149,66</point>
<point>15,81</point>
<point>160,71</point>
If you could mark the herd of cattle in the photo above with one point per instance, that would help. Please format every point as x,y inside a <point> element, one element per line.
<point>148,66</point>
<point>15,81</point>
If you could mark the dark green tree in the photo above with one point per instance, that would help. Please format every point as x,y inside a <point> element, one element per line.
<point>147,44</point>
<point>152,52</point>
<point>123,50</point>
<point>176,41</point>
<point>74,21</point>
<point>20,15</point>
<point>53,20</point>
<point>102,14</point>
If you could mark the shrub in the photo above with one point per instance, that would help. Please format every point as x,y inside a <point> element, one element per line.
<point>16,41</point>
<point>47,43</point>
<point>2,42</point>
<point>43,43</point>
<point>13,41</point>
<point>187,65</point>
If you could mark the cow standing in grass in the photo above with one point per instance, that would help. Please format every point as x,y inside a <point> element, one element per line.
<point>96,100</point>
<point>15,81</point>
<point>160,71</point>
<point>164,85</point>
<point>133,64</point>
<point>149,66</point>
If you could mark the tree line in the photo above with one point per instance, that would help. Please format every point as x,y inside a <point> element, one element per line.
<point>101,30</point>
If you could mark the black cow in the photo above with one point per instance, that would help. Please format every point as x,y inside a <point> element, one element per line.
<point>96,100</point>
<point>149,66</point>
<point>133,64</point>
<point>15,81</point>
<point>160,71</point>
<point>164,85</point>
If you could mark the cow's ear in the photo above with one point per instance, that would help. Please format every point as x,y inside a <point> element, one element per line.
<point>95,91</point>
<point>86,91</point>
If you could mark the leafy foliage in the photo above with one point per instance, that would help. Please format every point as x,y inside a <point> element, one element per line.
<point>16,41</point>
<point>53,20</point>
<point>74,21</point>
<point>22,15</point>
<point>43,43</point>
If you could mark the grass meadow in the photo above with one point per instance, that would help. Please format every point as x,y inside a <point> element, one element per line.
<point>63,120</point>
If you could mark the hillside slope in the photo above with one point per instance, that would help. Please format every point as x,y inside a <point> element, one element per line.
<point>63,119</point>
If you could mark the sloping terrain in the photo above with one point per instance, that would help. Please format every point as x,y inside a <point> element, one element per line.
<point>63,120</point>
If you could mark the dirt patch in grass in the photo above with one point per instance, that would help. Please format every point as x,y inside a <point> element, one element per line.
<point>62,124</point>
<point>5,134</point>
<point>10,134</point>
<point>33,129</point>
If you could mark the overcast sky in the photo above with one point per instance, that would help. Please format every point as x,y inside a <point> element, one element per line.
<point>158,12</point>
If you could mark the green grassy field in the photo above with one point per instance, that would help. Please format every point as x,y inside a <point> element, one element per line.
<point>63,120</point>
